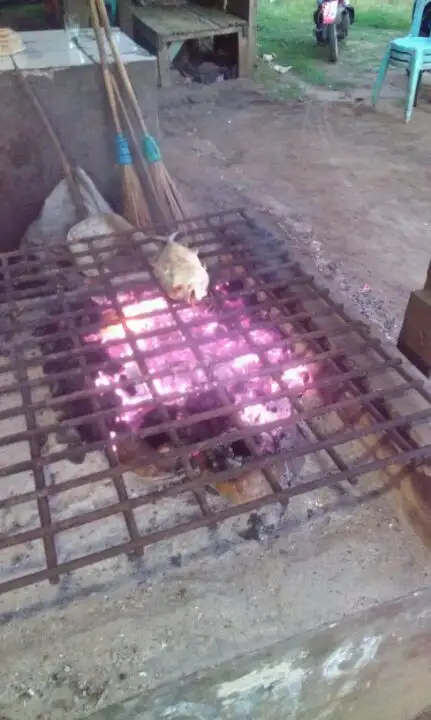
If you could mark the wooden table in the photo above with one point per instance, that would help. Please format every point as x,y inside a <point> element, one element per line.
<point>159,26</point>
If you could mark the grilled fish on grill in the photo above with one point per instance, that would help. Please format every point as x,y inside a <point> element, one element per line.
<point>180,272</point>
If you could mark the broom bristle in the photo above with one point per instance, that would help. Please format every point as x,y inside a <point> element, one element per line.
<point>135,209</point>
<point>167,194</point>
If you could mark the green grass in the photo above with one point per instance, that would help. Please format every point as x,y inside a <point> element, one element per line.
<point>386,15</point>
<point>285,29</point>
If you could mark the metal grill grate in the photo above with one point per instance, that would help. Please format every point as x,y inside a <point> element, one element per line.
<point>46,311</point>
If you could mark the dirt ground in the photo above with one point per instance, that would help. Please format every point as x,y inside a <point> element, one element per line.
<point>350,185</point>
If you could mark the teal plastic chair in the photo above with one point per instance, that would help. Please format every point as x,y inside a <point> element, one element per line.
<point>111,8</point>
<point>412,53</point>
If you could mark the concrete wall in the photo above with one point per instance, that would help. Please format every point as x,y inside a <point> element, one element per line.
<point>74,100</point>
<point>373,665</point>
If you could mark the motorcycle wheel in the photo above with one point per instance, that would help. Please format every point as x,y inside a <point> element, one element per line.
<point>333,42</point>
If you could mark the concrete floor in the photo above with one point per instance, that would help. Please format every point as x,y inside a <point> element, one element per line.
<point>348,668</point>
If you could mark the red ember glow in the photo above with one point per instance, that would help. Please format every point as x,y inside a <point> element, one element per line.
<point>225,356</point>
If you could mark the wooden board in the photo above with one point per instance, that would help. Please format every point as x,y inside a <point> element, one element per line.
<point>185,22</point>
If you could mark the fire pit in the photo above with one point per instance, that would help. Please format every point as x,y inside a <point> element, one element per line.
<point>122,412</point>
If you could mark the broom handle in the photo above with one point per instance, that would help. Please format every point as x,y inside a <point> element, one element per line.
<point>105,71</point>
<point>161,201</point>
<point>125,114</point>
<point>75,194</point>
<point>120,65</point>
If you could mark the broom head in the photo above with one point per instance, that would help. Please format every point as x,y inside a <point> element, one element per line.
<point>135,205</point>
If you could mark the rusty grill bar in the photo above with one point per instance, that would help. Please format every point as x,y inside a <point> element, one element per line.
<point>345,369</point>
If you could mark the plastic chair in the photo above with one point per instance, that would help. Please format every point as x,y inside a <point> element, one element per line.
<point>111,7</point>
<point>412,53</point>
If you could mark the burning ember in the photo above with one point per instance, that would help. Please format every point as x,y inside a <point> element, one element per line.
<point>156,363</point>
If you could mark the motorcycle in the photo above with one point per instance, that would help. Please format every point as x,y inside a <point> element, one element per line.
<point>332,20</point>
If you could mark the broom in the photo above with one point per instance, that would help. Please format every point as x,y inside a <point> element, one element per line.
<point>161,212</point>
<point>135,208</point>
<point>168,197</point>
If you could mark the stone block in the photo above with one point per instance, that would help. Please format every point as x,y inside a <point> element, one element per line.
<point>68,83</point>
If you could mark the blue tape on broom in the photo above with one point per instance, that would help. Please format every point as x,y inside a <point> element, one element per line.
<point>124,156</point>
<point>151,149</point>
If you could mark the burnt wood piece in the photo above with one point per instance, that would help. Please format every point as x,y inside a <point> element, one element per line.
<point>157,27</point>
<point>415,337</point>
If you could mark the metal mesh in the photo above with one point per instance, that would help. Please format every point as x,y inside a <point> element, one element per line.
<point>348,387</point>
